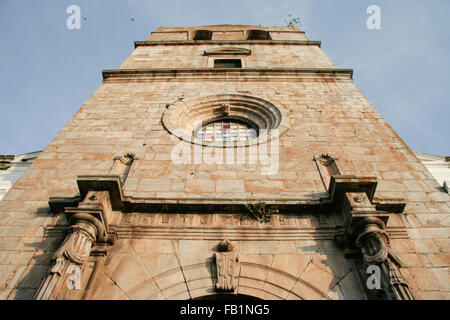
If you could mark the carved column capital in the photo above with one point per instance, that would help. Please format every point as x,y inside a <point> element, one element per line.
<point>78,243</point>
<point>89,224</point>
<point>74,250</point>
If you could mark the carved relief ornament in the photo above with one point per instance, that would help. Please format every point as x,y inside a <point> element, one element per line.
<point>225,260</point>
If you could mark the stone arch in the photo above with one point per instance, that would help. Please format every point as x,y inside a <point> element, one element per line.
<point>198,280</point>
<point>273,283</point>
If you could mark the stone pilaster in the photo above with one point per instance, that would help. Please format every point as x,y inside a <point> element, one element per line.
<point>366,231</point>
<point>89,228</point>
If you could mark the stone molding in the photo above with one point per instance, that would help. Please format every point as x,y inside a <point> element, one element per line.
<point>203,279</point>
<point>231,226</point>
<point>226,74</point>
<point>225,42</point>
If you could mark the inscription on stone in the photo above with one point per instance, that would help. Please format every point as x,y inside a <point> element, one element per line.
<point>247,221</point>
<point>131,218</point>
<point>224,220</point>
<point>322,219</point>
<point>228,220</point>
<point>167,219</point>
<point>204,220</point>
<point>147,220</point>
<point>185,220</point>
<point>285,221</point>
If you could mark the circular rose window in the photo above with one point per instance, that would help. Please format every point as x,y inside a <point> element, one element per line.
<point>226,131</point>
<point>224,120</point>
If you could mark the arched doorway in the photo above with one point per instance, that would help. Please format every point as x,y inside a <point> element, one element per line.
<point>224,296</point>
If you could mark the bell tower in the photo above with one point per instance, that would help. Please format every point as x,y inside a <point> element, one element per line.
<point>226,161</point>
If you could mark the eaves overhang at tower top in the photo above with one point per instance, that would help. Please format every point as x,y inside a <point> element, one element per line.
<point>229,27</point>
<point>228,32</point>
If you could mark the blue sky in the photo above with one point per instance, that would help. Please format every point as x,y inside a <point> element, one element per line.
<point>48,71</point>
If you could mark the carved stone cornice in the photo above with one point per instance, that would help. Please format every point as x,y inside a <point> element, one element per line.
<point>225,42</point>
<point>226,74</point>
<point>340,184</point>
<point>110,183</point>
<point>189,205</point>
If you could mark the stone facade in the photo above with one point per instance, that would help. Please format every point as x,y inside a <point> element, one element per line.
<point>105,212</point>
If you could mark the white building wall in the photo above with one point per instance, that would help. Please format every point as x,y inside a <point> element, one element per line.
<point>15,168</point>
<point>438,166</point>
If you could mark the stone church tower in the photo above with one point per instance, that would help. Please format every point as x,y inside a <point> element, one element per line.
<point>226,160</point>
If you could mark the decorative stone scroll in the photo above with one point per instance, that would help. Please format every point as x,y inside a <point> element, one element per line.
<point>365,230</point>
<point>373,242</point>
<point>122,165</point>
<point>78,243</point>
<point>225,261</point>
<point>327,166</point>
<point>74,250</point>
